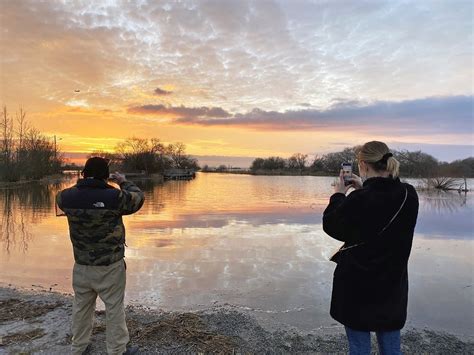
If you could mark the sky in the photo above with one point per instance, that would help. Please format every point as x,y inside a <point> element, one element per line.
<point>234,80</point>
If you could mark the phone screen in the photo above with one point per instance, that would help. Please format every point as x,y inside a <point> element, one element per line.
<point>347,173</point>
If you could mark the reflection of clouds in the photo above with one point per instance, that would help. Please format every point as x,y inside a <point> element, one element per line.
<point>216,219</point>
<point>230,263</point>
<point>213,200</point>
<point>253,242</point>
<point>445,215</point>
<point>442,268</point>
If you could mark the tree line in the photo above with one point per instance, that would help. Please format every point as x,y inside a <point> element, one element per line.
<point>148,155</point>
<point>25,153</point>
<point>415,164</point>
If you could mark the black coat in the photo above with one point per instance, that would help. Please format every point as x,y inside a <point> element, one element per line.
<point>370,286</point>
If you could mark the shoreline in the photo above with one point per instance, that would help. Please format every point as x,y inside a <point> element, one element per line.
<point>268,173</point>
<point>158,178</point>
<point>39,322</point>
<point>46,179</point>
<point>303,173</point>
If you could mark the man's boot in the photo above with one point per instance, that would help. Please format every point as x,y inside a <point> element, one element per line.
<point>132,350</point>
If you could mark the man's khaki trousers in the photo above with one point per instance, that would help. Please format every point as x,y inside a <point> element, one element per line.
<point>109,283</point>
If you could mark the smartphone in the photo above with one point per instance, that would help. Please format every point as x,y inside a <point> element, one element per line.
<point>347,173</point>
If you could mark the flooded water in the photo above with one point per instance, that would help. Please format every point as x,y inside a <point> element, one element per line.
<point>251,242</point>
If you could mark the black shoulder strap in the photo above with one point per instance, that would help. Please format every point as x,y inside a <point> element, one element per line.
<point>396,214</point>
<point>384,228</point>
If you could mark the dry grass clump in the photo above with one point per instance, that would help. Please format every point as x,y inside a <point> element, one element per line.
<point>14,309</point>
<point>442,183</point>
<point>185,331</point>
<point>21,337</point>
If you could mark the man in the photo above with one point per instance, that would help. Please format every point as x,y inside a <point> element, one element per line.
<point>94,210</point>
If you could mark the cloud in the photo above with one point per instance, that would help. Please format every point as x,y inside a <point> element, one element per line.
<point>422,116</point>
<point>266,54</point>
<point>180,111</point>
<point>228,57</point>
<point>161,92</point>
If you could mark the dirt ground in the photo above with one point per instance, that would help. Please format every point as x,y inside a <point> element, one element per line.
<point>38,322</point>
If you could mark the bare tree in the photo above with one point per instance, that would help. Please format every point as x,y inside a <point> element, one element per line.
<point>24,151</point>
<point>177,153</point>
<point>23,127</point>
<point>297,161</point>
<point>6,125</point>
<point>6,159</point>
<point>141,154</point>
<point>317,165</point>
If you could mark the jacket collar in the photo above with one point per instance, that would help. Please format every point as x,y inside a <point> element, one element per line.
<point>94,183</point>
<point>381,181</point>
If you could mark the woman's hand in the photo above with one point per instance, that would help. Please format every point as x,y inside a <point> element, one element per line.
<point>356,182</point>
<point>339,185</point>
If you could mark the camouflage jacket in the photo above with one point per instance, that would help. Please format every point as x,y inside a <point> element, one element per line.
<point>94,210</point>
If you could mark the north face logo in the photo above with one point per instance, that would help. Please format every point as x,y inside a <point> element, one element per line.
<point>99,204</point>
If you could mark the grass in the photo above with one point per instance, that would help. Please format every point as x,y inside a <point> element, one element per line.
<point>443,183</point>
<point>14,309</point>
<point>21,337</point>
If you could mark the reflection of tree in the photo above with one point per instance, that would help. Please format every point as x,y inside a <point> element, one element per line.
<point>24,205</point>
<point>175,190</point>
<point>146,185</point>
<point>152,189</point>
<point>173,194</point>
<point>13,229</point>
<point>444,201</point>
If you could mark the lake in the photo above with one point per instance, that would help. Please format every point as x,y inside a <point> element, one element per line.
<point>253,243</point>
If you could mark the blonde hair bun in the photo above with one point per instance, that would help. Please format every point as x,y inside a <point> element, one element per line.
<point>378,156</point>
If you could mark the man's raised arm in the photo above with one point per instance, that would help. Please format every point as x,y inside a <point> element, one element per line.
<point>131,198</point>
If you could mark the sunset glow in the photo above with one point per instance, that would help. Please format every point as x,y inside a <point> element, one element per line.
<point>242,78</point>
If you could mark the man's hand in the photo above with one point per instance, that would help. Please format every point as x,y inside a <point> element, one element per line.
<point>117,177</point>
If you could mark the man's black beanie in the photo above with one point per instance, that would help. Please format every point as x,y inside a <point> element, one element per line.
<point>97,168</point>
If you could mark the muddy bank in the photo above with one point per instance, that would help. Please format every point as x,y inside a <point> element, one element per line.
<point>39,322</point>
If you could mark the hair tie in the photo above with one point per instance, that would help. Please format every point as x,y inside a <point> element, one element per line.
<point>385,157</point>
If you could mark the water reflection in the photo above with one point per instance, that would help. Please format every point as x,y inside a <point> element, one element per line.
<point>22,206</point>
<point>13,229</point>
<point>214,201</point>
<point>255,242</point>
<point>443,201</point>
<point>447,215</point>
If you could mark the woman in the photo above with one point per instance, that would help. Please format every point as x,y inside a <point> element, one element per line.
<point>376,222</point>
